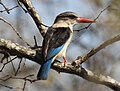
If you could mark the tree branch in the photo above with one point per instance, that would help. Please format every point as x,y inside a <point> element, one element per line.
<point>8,9</point>
<point>34,14</point>
<point>102,46</point>
<point>89,75</point>
<point>15,49</point>
<point>5,21</point>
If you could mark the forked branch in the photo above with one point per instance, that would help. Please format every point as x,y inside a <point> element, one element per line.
<point>20,51</point>
<point>34,14</point>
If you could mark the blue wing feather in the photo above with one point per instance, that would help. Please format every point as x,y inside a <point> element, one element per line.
<point>54,52</point>
<point>45,67</point>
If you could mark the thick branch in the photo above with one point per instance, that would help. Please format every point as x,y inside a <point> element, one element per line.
<point>20,51</point>
<point>15,49</point>
<point>34,14</point>
<point>89,75</point>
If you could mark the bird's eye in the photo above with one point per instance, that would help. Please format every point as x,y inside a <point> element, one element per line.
<point>72,16</point>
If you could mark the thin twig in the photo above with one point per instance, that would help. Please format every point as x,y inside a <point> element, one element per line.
<point>18,67</point>
<point>11,63</point>
<point>36,47</point>
<point>35,41</point>
<point>6,56</point>
<point>20,4</point>
<point>90,23</point>
<point>25,78</point>
<point>9,9</point>
<point>21,78</point>
<point>6,9</point>
<point>24,64</point>
<point>7,63</point>
<point>24,85</point>
<point>101,12</point>
<point>6,86</point>
<point>102,46</point>
<point>94,19</point>
<point>14,30</point>
<point>7,77</point>
<point>13,66</point>
<point>10,87</point>
<point>3,78</point>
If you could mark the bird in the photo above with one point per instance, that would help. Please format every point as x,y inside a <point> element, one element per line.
<point>57,39</point>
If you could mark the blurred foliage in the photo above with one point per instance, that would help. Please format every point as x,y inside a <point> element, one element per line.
<point>98,3</point>
<point>113,20</point>
<point>115,8</point>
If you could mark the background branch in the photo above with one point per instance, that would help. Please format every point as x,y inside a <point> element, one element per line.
<point>102,46</point>
<point>9,9</point>
<point>34,14</point>
<point>5,21</point>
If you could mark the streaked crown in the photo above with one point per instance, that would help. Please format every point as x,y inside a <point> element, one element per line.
<point>67,16</point>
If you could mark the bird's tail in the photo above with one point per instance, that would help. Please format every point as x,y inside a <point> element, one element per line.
<point>44,70</point>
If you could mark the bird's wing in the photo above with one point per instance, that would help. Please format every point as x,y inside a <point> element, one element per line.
<point>54,41</point>
<point>46,42</point>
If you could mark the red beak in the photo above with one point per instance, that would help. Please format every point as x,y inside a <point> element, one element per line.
<point>84,20</point>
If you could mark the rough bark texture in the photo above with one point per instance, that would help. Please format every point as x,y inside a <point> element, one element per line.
<point>35,16</point>
<point>15,49</point>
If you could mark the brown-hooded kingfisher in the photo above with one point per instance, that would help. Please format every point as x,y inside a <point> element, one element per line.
<point>57,39</point>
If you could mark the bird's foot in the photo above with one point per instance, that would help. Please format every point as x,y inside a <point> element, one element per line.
<point>65,61</point>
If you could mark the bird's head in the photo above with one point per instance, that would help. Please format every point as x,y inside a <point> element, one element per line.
<point>72,18</point>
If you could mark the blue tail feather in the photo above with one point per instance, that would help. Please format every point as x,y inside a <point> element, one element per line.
<point>45,67</point>
<point>44,70</point>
